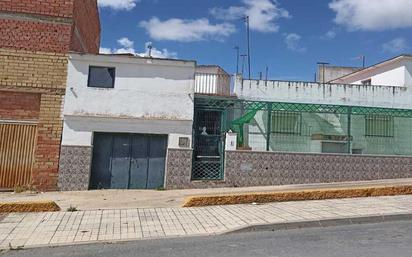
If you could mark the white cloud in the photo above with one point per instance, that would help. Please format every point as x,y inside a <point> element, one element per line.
<point>186,30</point>
<point>118,4</point>
<point>127,47</point>
<point>396,45</point>
<point>372,15</point>
<point>293,42</point>
<point>331,34</point>
<point>125,42</point>
<point>263,14</point>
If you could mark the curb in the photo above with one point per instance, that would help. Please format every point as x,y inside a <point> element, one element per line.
<point>322,223</point>
<point>29,206</point>
<point>296,195</point>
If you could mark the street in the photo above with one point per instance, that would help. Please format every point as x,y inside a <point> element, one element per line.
<point>374,240</point>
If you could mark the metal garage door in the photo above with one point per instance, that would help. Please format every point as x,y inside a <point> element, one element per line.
<point>128,161</point>
<point>17,143</point>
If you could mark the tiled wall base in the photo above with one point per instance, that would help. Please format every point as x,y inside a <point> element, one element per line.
<point>244,168</point>
<point>74,172</point>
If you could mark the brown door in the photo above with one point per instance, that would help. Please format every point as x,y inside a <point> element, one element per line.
<point>17,141</point>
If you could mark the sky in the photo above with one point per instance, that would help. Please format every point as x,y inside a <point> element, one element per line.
<point>287,36</point>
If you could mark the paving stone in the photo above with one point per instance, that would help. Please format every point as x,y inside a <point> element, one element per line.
<point>38,229</point>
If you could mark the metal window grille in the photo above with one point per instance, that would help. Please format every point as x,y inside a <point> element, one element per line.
<point>379,126</point>
<point>286,122</point>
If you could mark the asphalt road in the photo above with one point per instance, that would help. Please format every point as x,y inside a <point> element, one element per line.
<point>374,240</point>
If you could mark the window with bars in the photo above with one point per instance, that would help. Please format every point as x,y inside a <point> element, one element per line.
<point>286,122</point>
<point>379,126</point>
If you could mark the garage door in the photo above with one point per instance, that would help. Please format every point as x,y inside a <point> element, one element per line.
<point>128,161</point>
<point>17,143</point>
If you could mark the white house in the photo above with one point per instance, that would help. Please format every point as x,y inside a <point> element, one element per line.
<point>393,72</point>
<point>123,115</point>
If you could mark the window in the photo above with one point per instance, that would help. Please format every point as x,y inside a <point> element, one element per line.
<point>367,82</point>
<point>379,126</point>
<point>286,122</point>
<point>101,77</point>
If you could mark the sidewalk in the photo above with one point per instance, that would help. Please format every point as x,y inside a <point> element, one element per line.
<point>129,199</point>
<point>65,228</point>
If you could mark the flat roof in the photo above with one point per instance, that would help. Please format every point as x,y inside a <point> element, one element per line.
<point>131,56</point>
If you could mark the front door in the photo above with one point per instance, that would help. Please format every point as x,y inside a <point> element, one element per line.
<point>128,161</point>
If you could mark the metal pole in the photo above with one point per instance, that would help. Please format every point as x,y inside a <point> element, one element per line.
<point>363,61</point>
<point>266,75</point>
<point>248,43</point>
<point>243,63</point>
<point>237,59</point>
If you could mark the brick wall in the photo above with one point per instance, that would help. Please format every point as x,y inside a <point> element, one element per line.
<point>19,106</point>
<point>86,29</point>
<point>49,130</point>
<point>45,74</point>
<point>50,25</point>
<point>59,8</point>
<point>33,70</point>
<point>35,36</point>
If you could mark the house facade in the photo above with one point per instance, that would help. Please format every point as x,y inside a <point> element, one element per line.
<point>127,121</point>
<point>144,123</point>
<point>35,37</point>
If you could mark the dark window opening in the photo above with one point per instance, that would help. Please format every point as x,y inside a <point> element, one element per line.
<point>102,77</point>
<point>367,82</point>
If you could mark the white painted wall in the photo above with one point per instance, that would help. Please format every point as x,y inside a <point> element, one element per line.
<point>150,96</point>
<point>391,73</point>
<point>408,74</point>
<point>386,77</point>
<point>144,88</point>
<point>309,92</point>
<point>212,80</point>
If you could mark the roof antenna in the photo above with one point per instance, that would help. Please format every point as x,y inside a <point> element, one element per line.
<point>149,47</point>
<point>243,56</point>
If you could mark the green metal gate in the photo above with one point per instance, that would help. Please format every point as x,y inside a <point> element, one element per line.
<point>208,145</point>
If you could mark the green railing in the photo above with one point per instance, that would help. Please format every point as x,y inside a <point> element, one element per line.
<point>317,128</point>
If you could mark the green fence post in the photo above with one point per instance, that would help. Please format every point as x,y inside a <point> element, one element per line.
<point>269,126</point>
<point>349,130</point>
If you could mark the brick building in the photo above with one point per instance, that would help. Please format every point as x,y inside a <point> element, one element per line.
<point>35,38</point>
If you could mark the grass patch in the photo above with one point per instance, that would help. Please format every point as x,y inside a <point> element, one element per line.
<point>72,209</point>
<point>267,197</point>
<point>21,189</point>
<point>46,206</point>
